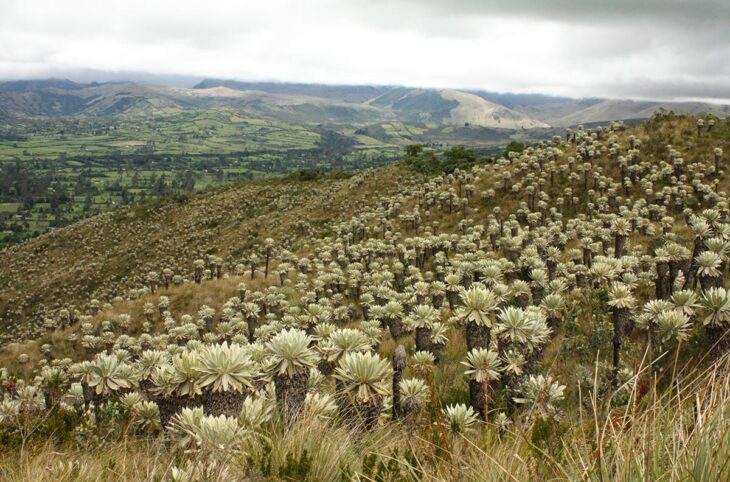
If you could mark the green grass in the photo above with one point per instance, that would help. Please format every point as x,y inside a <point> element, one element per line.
<point>9,207</point>
<point>113,150</point>
<point>199,132</point>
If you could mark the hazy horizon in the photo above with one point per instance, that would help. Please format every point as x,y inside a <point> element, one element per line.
<point>670,50</point>
<point>189,81</point>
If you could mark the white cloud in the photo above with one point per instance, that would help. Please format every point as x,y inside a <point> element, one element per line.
<point>655,49</point>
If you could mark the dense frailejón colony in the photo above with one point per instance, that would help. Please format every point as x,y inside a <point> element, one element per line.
<point>354,327</point>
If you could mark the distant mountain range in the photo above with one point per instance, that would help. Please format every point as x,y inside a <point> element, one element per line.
<point>317,103</point>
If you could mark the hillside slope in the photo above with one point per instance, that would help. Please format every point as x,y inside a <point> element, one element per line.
<point>316,103</point>
<point>474,110</point>
<point>132,99</point>
<point>527,110</point>
<point>288,102</point>
<point>356,94</point>
<point>120,247</point>
<point>608,110</point>
<point>109,254</point>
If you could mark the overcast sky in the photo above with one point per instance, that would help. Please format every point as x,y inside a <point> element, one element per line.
<point>665,49</point>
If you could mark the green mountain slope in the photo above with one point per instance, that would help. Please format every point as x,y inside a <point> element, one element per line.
<point>352,94</point>
<point>287,102</point>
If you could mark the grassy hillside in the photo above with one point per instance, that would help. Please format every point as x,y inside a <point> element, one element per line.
<point>293,103</point>
<point>559,314</point>
<point>475,110</point>
<point>317,103</point>
<point>351,94</point>
<point>593,110</point>
<point>108,254</point>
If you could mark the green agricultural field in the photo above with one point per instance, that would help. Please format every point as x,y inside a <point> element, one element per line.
<point>9,207</point>
<point>194,132</point>
<point>70,168</point>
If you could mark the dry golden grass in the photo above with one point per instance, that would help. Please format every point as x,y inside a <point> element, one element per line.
<point>678,435</point>
<point>185,299</point>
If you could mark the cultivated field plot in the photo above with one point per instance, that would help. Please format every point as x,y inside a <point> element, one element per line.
<point>186,132</point>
